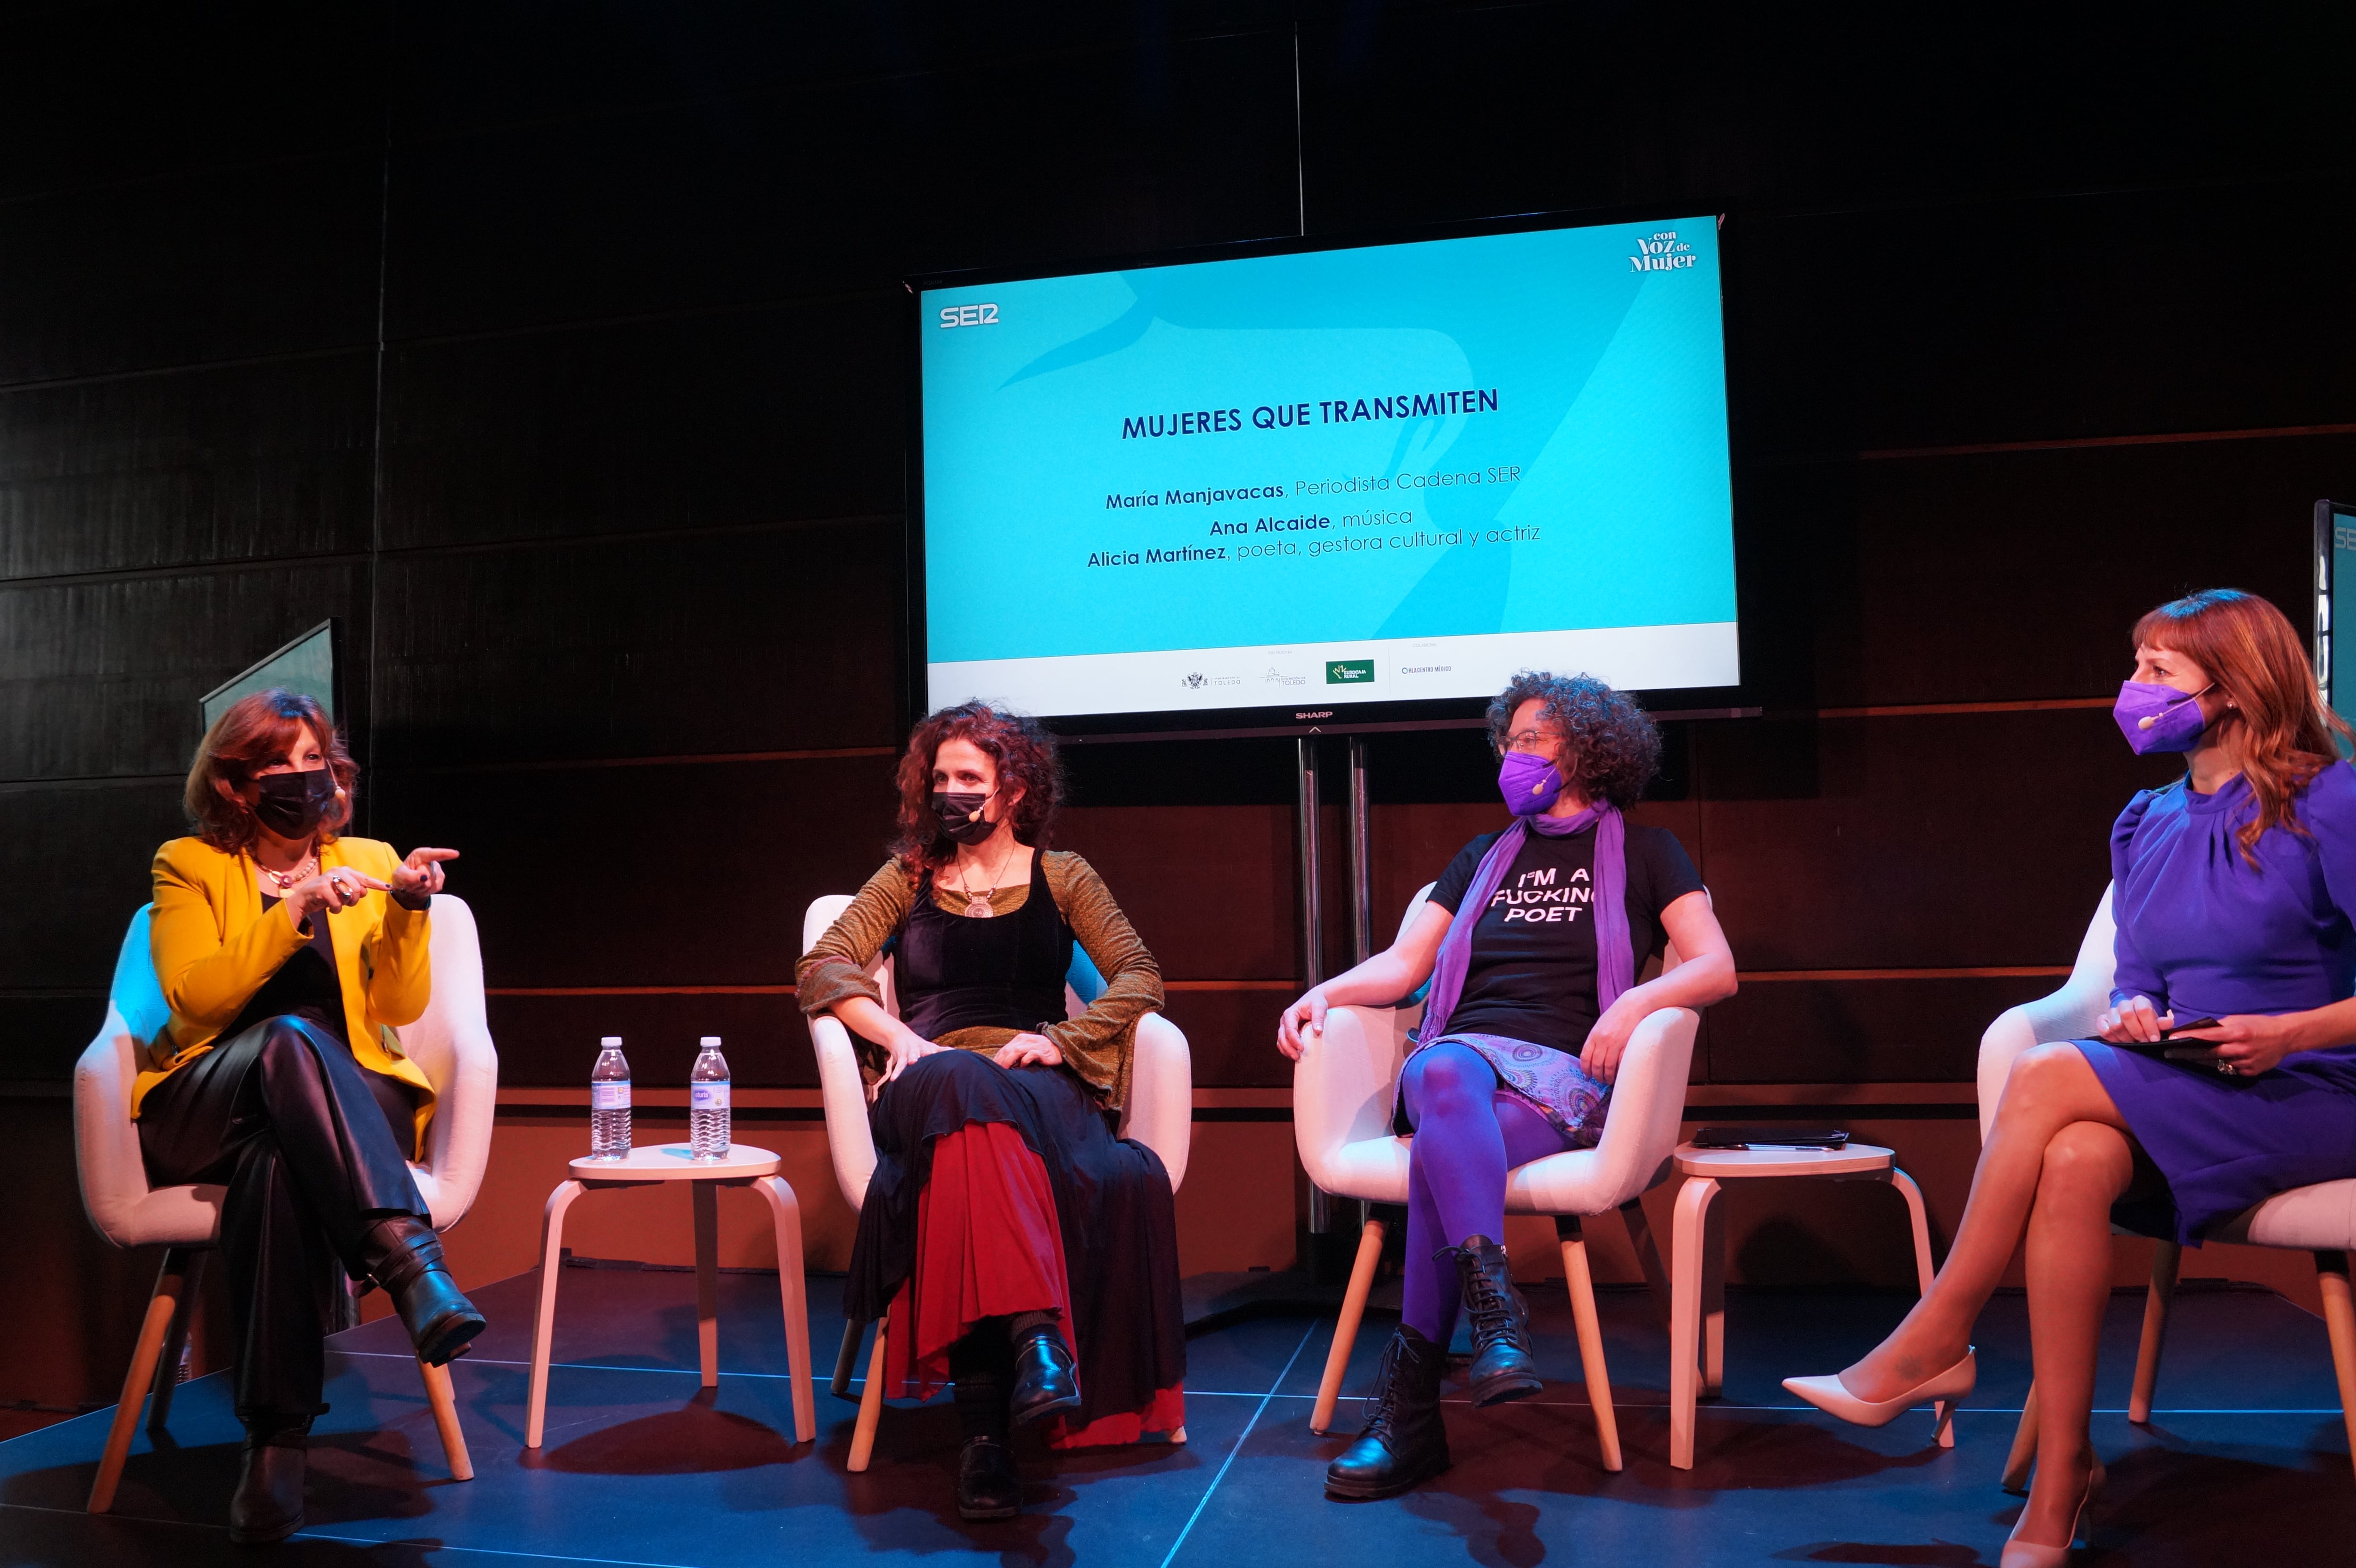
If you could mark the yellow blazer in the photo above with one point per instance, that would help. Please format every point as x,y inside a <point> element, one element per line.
<point>214,947</point>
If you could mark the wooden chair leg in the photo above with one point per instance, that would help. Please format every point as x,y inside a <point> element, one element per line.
<point>846,1359</point>
<point>1713,1302</point>
<point>175,1342</point>
<point>785,1213</point>
<point>2166,1257</point>
<point>1919,1220</point>
<point>1648,1258</point>
<point>871,1406</point>
<point>444,1401</point>
<point>707,1280</point>
<point>2339,1321</point>
<point>1345,1327</point>
<point>2018,1464</point>
<point>1580,1284</point>
<point>543,1325</point>
<point>1685,1239</point>
<point>171,1284</point>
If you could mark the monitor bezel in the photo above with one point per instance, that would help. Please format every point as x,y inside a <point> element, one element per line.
<point>2325,511</point>
<point>334,627</point>
<point>1298,719</point>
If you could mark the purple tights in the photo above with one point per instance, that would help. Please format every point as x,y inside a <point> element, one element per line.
<point>1469,1132</point>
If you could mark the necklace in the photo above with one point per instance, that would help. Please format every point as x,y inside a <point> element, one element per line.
<point>977,901</point>
<point>286,880</point>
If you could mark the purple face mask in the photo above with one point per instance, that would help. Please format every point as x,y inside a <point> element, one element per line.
<point>2157,717</point>
<point>1529,784</point>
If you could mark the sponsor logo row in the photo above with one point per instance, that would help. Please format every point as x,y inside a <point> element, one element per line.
<point>1333,671</point>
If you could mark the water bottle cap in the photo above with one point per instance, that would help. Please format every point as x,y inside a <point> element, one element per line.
<point>710,1042</point>
<point>614,1039</point>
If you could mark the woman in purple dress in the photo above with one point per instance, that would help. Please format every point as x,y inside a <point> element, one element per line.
<point>2233,888</point>
<point>1534,996</point>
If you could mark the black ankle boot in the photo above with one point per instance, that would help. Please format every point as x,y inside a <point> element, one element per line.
<point>1503,1367</point>
<point>988,1486</point>
<point>1405,1444</point>
<point>404,1256</point>
<point>1045,1380</point>
<point>268,1503</point>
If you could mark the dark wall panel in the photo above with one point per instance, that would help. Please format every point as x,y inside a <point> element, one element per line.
<point>101,675</point>
<point>44,1034</point>
<point>552,1042</point>
<point>95,93</point>
<point>1836,106</point>
<point>2126,313</point>
<point>235,463</point>
<point>1999,577</point>
<point>274,258</point>
<point>723,201</point>
<point>464,67</point>
<point>715,421</point>
<point>1231,1037</point>
<point>759,641</point>
<point>645,876</point>
<point>1209,888</point>
<point>1861,1031</point>
<point>1961,840</point>
<point>76,859</point>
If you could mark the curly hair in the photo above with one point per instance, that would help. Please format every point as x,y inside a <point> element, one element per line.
<point>2285,734</point>
<point>1024,753</point>
<point>1611,747</point>
<point>251,733</point>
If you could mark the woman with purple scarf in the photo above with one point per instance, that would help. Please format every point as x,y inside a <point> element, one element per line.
<point>1531,1006</point>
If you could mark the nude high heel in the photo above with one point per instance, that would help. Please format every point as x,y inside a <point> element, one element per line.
<point>1944,1389</point>
<point>2029,1554</point>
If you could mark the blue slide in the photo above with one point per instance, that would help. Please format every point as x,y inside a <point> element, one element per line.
<point>1391,472</point>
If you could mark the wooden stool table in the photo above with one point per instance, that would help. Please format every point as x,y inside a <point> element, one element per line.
<point>743,1165</point>
<point>1697,1262</point>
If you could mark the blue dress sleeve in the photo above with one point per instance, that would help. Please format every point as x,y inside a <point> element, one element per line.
<point>2131,976</point>
<point>2329,811</point>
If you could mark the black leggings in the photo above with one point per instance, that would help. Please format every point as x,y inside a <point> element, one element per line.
<point>313,1156</point>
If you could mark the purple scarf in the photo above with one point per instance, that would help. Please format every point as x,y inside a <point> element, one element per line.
<point>1615,956</point>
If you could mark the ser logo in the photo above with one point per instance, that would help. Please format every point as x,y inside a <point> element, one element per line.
<point>968,315</point>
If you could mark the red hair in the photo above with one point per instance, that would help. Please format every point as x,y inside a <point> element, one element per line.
<point>2277,719</point>
<point>1024,754</point>
<point>254,732</point>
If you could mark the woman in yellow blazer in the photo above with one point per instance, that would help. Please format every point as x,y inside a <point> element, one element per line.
<point>288,956</point>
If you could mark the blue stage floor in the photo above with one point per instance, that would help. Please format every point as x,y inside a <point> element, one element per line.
<point>2245,1461</point>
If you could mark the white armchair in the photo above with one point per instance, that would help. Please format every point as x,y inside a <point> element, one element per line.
<point>1342,1089</point>
<point>2319,1218</point>
<point>451,1043</point>
<point>1159,1115</point>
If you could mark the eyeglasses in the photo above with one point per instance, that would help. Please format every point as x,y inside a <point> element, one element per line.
<point>1529,741</point>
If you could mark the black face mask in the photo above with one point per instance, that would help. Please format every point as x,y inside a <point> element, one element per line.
<point>294,805</point>
<point>959,812</point>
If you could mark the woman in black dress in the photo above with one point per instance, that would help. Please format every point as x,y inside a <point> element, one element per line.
<point>1019,1249</point>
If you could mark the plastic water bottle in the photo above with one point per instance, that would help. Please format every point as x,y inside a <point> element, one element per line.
<point>609,1102</point>
<point>707,1101</point>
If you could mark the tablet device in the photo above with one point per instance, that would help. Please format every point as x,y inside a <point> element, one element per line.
<point>2184,1051</point>
<point>1769,1138</point>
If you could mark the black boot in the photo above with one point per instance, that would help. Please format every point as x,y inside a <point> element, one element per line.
<point>268,1503</point>
<point>987,1486</point>
<point>1405,1444</point>
<point>404,1256</point>
<point>1504,1368</point>
<point>1045,1380</point>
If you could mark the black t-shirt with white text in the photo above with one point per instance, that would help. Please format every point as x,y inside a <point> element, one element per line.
<point>1532,975</point>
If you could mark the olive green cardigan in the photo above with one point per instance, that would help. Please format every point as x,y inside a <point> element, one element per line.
<point>1097,1045</point>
